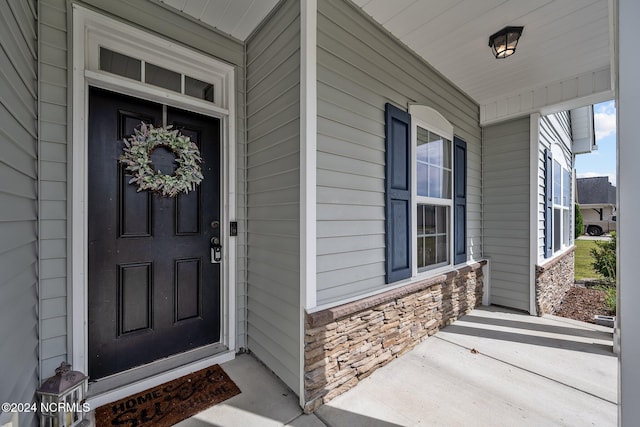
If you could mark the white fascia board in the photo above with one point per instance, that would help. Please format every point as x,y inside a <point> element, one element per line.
<point>590,88</point>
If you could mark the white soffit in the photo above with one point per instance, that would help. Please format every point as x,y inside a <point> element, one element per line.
<point>563,59</point>
<point>562,40</point>
<point>237,18</point>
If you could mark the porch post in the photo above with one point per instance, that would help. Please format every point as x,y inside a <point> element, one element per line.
<point>628,108</point>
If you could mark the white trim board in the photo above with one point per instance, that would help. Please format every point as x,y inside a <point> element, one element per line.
<point>90,30</point>
<point>308,145</point>
<point>534,150</point>
<point>577,91</point>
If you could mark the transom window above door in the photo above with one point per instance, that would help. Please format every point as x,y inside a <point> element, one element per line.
<point>128,60</point>
<point>147,72</point>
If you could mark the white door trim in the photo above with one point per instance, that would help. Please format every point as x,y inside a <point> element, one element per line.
<point>91,30</point>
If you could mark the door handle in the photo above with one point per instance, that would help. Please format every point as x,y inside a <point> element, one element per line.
<point>216,250</point>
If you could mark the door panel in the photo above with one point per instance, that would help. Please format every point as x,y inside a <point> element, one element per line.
<point>153,291</point>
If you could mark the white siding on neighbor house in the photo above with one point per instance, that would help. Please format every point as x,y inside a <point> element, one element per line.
<point>55,150</point>
<point>553,129</point>
<point>18,206</point>
<point>273,192</point>
<point>592,213</point>
<point>360,68</point>
<point>505,177</point>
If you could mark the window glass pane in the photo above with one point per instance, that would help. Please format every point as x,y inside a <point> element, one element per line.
<point>557,182</point>
<point>198,89</point>
<point>429,251</point>
<point>446,153</point>
<point>446,184</point>
<point>122,65</point>
<point>566,225</point>
<point>421,181</point>
<point>433,244</point>
<point>557,229</point>
<point>566,186</point>
<point>442,249</point>
<point>162,77</point>
<point>433,156</point>
<point>421,150</point>
<point>434,181</point>
<point>434,150</point>
<point>429,219</point>
<point>441,219</point>
<point>421,252</point>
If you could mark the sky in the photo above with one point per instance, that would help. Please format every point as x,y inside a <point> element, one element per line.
<point>601,162</point>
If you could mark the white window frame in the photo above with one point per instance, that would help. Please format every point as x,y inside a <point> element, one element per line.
<point>560,159</point>
<point>429,119</point>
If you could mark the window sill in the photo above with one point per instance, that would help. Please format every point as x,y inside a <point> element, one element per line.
<point>546,263</point>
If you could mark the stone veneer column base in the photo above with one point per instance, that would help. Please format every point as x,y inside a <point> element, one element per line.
<point>553,281</point>
<point>345,344</point>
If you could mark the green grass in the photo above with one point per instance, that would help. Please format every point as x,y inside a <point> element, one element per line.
<point>583,268</point>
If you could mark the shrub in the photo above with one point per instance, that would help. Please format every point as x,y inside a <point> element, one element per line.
<point>610,298</point>
<point>604,258</point>
<point>579,224</point>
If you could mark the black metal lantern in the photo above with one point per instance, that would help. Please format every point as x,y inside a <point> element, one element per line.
<point>504,42</point>
<point>62,398</point>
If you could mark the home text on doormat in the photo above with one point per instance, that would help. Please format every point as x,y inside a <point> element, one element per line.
<point>171,402</point>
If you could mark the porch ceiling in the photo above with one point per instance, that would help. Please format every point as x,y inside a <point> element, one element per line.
<point>237,18</point>
<point>563,57</point>
<point>561,39</point>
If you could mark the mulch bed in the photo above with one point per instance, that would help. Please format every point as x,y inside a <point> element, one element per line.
<point>582,304</point>
<point>170,403</point>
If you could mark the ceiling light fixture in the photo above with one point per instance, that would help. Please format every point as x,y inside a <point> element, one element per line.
<point>504,42</point>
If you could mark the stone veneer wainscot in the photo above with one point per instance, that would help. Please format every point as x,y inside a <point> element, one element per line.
<point>553,280</point>
<point>345,344</point>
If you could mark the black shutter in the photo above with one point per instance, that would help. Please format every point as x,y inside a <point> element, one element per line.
<point>548,204</point>
<point>397,193</point>
<point>459,201</point>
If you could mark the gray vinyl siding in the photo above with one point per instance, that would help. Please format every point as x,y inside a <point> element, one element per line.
<point>56,150</point>
<point>273,192</point>
<point>53,186</point>
<point>505,160</point>
<point>553,129</point>
<point>18,205</point>
<point>360,68</point>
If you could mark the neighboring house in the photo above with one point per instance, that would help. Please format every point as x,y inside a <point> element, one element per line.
<point>361,199</point>
<point>597,199</point>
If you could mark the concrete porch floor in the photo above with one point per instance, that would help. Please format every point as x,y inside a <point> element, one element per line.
<point>493,367</point>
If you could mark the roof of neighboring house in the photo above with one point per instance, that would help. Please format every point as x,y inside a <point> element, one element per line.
<point>595,190</point>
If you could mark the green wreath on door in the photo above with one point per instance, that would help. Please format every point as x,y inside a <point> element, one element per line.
<point>137,160</point>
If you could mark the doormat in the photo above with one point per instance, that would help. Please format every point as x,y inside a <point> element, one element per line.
<point>171,402</point>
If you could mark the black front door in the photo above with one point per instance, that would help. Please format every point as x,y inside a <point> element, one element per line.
<point>153,291</point>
